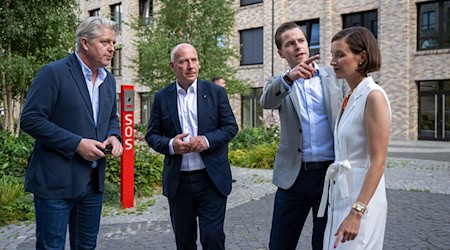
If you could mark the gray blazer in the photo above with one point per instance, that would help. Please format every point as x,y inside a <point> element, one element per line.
<point>288,157</point>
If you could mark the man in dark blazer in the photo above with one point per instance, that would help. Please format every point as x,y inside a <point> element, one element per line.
<point>71,111</point>
<point>191,123</point>
<point>308,98</point>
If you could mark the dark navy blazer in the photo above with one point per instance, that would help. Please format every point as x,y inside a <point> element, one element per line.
<point>58,114</point>
<point>216,121</point>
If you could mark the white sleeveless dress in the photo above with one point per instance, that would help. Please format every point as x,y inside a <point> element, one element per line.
<point>346,175</point>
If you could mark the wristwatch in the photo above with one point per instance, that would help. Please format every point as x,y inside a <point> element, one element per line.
<point>359,207</point>
<point>287,79</point>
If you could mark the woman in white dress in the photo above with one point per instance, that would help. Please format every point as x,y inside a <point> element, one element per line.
<point>354,183</point>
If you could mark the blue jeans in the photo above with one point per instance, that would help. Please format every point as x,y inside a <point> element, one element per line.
<point>82,214</point>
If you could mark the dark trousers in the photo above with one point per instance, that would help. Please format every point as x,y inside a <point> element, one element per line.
<point>197,197</point>
<point>82,215</point>
<point>291,208</point>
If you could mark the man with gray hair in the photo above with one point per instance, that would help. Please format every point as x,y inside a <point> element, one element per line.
<point>71,111</point>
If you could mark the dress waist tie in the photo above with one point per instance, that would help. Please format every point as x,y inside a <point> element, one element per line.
<point>336,171</point>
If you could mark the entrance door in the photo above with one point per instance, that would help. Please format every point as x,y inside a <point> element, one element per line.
<point>434,110</point>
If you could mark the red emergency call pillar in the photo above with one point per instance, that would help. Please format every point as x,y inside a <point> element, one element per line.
<point>127,161</point>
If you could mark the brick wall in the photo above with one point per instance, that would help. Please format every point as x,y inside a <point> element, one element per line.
<point>402,65</point>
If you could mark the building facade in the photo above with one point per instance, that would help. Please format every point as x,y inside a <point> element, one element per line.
<point>413,35</point>
<point>414,39</point>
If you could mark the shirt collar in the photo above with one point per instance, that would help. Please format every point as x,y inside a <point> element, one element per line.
<point>192,88</point>
<point>87,72</point>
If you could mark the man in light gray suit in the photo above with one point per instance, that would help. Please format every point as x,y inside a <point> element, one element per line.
<point>308,99</point>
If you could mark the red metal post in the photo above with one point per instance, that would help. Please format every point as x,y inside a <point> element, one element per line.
<point>127,161</point>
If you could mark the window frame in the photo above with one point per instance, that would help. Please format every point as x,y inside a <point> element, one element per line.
<point>114,17</point>
<point>362,20</point>
<point>146,106</point>
<point>441,90</point>
<point>253,97</point>
<point>253,60</point>
<point>441,33</point>
<point>116,70</point>
<point>94,12</point>
<point>250,2</point>
<point>309,27</point>
<point>146,12</point>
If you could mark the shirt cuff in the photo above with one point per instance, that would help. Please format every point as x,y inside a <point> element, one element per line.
<point>171,150</point>
<point>207,142</point>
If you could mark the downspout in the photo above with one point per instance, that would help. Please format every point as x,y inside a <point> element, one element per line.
<point>273,30</point>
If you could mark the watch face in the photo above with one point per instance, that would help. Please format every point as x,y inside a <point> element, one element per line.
<point>358,207</point>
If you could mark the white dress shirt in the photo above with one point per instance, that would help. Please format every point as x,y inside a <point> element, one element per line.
<point>187,115</point>
<point>317,142</point>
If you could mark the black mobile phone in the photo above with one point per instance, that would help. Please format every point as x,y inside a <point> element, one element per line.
<point>106,150</point>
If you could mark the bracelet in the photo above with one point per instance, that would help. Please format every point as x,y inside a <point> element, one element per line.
<point>359,207</point>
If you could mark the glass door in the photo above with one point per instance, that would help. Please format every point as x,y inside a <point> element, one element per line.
<point>434,110</point>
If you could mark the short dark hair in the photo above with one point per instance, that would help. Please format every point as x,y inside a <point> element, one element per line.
<point>216,78</point>
<point>361,39</point>
<point>283,28</point>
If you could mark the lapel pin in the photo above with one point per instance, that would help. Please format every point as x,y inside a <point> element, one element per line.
<point>204,96</point>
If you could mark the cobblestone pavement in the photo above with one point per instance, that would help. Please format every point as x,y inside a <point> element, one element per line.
<point>418,192</point>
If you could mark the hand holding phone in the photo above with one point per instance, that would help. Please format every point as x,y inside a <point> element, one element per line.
<point>106,150</point>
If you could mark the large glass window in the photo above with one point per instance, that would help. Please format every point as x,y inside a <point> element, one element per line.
<point>312,30</point>
<point>434,110</point>
<point>116,62</point>
<point>433,28</point>
<point>248,2</point>
<point>146,11</point>
<point>252,112</point>
<point>116,15</point>
<point>251,46</point>
<point>368,19</point>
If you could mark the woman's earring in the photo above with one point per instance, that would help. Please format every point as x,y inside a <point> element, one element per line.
<point>359,63</point>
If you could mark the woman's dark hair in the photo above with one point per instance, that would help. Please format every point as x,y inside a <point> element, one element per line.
<point>361,39</point>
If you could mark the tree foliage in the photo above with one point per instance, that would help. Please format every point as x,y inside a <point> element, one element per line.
<point>32,34</point>
<point>207,25</point>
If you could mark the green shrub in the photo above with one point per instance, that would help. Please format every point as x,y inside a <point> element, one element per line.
<point>254,147</point>
<point>147,170</point>
<point>111,194</point>
<point>249,137</point>
<point>259,156</point>
<point>141,127</point>
<point>15,204</point>
<point>14,153</point>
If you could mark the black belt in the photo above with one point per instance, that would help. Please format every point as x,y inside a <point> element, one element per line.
<point>193,172</point>
<point>319,165</point>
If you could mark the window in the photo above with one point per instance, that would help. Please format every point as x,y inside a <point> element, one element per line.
<point>251,46</point>
<point>146,11</point>
<point>312,30</point>
<point>116,63</point>
<point>433,28</point>
<point>252,112</point>
<point>434,110</point>
<point>249,2</point>
<point>146,105</point>
<point>368,19</point>
<point>95,12</point>
<point>116,15</point>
